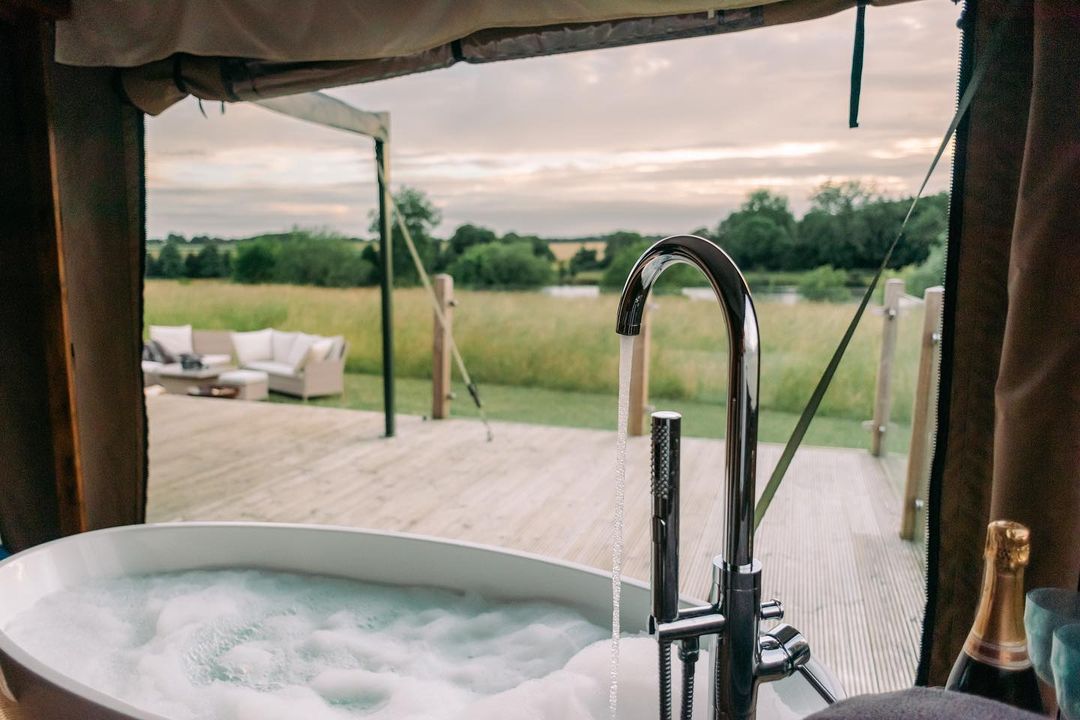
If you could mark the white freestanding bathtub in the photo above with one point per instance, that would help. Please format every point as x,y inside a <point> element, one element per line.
<point>44,693</point>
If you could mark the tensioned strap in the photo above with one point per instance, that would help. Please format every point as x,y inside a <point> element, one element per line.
<point>474,392</point>
<point>811,408</point>
<point>857,65</point>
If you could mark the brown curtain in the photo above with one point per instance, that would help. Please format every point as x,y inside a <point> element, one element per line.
<point>1009,437</point>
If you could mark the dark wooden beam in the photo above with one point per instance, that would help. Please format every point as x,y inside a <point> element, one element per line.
<point>39,440</point>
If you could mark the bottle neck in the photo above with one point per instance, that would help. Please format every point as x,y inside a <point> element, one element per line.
<point>997,636</point>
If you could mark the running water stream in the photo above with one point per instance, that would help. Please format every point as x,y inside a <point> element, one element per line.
<point>626,355</point>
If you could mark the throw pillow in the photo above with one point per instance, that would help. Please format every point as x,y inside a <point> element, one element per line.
<point>319,350</point>
<point>174,339</point>
<point>298,354</point>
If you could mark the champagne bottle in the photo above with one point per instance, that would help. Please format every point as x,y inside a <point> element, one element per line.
<point>994,662</point>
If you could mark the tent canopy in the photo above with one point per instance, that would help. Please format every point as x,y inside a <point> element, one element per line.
<point>254,49</point>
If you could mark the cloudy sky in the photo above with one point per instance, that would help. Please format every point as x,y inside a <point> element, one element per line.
<point>660,138</point>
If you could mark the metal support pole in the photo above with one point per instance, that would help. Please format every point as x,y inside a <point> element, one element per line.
<point>387,284</point>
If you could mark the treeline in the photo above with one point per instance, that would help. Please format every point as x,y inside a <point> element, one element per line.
<point>845,232</point>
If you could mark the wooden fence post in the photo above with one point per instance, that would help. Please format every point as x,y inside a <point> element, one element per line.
<point>883,396</point>
<point>441,354</point>
<point>639,376</point>
<point>924,412</point>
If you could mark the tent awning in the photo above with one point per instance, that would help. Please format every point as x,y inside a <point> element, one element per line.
<point>256,49</point>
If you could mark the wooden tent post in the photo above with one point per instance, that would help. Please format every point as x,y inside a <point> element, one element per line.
<point>883,396</point>
<point>386,284</point>
<point>924,412</point>
<point>440,351</point>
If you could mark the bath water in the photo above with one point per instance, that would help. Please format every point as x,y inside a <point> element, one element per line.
<point>626,356</point>
<point>255,645</point>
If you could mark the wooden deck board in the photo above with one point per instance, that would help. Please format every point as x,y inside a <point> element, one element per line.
<point>829,544</point>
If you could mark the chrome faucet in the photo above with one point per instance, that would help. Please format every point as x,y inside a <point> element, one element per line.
<point>741,657</point>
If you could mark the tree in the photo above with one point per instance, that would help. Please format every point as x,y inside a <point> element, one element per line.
<point>618,241</point>
<point>169,262</point>
<point>499,265</point>
<point>210,263</point>
<point>583,260</point>
<point>673,279</point>
<point>175,238</point>
<point>761,233</point>
<point>421,217</point>
<point>538,245</point>
<point>254,263</point>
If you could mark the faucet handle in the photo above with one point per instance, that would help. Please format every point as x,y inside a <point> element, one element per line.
<point>783,651</point>
<point>772,610</point>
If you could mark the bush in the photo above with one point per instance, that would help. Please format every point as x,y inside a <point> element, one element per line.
<point>672,281</point>
<point>928,274</point>
<point>254,263</point>
<point>502,266</point>
<point>825,284</point>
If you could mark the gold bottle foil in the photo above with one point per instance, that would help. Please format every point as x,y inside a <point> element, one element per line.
<point>997,636</point>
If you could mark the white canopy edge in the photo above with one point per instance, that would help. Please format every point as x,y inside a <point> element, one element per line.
<point>322,109</point>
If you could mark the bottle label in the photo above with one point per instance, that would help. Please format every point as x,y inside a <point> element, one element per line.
<point>1007,656</point>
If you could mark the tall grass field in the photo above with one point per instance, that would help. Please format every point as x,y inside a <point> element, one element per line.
<point>569,344</point>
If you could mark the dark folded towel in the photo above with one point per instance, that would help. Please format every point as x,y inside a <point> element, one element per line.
<point>922,704</point>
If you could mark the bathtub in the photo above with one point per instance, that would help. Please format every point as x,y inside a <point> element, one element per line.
<point>42,692</point>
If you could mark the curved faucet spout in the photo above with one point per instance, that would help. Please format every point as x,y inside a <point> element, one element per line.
<point>743,367</point>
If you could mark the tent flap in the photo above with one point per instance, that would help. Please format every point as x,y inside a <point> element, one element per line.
<point>247,56</point>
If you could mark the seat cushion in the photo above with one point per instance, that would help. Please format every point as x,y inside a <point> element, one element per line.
<point>242,377</point>
<point>271,367</point>
<point>212,360</point>
<point>174,339</point>
<point>254,346</point>
<point>280,345</point>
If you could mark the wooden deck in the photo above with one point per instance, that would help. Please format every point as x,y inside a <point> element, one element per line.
<point>829,544</point>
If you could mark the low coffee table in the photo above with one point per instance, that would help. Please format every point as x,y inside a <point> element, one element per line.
<point>175,379</point>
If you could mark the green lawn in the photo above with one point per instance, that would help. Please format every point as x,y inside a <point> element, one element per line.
<point>592,410</point>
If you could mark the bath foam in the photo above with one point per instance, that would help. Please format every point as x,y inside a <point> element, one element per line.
<point>254,645</point>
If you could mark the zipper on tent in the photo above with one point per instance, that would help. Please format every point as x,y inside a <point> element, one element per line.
<point>966,24</point>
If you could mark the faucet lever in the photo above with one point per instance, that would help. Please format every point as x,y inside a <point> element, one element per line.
<point>783,651</point>
<point>772,610</point>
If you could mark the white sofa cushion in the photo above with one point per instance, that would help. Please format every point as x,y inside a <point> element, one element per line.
<point>280,345</point>
<point>253,346</point>
<point>299,353</point>
<point>212,360</point>
<point>271,368</point>
<point>175,339</point>
<point>337,347</point>
<point>320,350</point>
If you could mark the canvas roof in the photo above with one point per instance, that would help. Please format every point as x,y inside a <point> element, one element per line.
<point>234,50</point>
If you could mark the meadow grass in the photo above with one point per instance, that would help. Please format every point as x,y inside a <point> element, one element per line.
<point>535,341</point>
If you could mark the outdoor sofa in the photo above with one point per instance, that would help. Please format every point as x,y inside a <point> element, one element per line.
<point>295,363</point>
<point>168,342</point>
